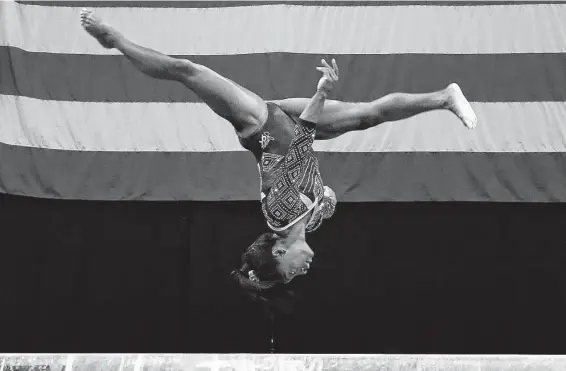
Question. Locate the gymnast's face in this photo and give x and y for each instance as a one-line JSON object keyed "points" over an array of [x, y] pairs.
{"points": [[294, 260]]}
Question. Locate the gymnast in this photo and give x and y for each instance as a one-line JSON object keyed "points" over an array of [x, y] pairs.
{"points": [[280, 135]]}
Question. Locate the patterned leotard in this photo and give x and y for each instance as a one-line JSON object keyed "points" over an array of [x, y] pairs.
{"points": [[291, 184]]}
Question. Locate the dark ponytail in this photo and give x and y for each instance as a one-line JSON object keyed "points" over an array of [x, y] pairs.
{"points": [[259, 278]]}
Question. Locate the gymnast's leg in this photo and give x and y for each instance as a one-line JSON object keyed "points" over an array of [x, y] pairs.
{"points": [[244, 109], [341, 117]]}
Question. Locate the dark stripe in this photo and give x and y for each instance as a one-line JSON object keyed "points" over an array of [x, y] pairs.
{"points": [[101, 78], [229, 4], [230, 176]]}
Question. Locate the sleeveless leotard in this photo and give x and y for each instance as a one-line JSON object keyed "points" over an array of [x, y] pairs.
{"points": [[291, 184]]}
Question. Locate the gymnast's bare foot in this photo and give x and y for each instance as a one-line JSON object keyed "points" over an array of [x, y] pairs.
{"points": [[105, 34], [458, 104]]}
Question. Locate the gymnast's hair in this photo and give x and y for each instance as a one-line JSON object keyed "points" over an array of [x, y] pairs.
{"points": [[258, 275]]}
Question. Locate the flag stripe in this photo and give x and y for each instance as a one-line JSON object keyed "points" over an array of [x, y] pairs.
{"points": [[193, 127], [228, 4], [217, 176], [80, 122], [283, 28], [484, 78]]}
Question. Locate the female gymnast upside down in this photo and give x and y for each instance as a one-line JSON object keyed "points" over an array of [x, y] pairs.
{"points": [[280, 134]]}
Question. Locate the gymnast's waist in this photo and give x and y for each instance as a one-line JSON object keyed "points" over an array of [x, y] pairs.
{"points": [[288, 209], [280, 223]]}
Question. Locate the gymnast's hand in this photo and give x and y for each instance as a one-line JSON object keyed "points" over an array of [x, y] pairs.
{"points": [[329, 76]]}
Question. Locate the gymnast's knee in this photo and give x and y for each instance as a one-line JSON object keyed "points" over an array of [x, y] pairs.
{"points": [[373, 115], [184, 69], [378, 111]]}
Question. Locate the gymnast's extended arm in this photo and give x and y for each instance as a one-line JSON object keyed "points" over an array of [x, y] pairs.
{"points": [[313, 110]]}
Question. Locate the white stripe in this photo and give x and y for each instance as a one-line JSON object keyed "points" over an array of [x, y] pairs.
{"points": [[297, 29], [186, 127]]}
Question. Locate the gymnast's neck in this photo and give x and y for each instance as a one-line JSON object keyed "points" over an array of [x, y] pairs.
{"points": [[294, 234]]}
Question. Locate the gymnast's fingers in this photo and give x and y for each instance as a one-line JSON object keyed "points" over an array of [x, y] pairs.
{"points": [[335, 65], [330, 70], [325, 64]]}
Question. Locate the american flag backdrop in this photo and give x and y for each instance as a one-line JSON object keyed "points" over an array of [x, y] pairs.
{"points": [[78, 121]]}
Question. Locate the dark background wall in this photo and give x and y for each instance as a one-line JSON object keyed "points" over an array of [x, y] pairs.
{"points": [[387, 278]]}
